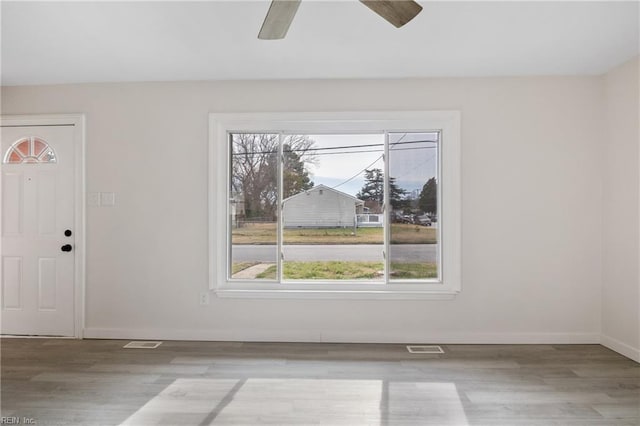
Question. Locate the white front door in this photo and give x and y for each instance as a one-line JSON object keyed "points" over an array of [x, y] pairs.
{"points": [[38, 235]]}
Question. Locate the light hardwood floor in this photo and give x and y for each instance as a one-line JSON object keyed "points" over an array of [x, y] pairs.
{"points": [[97, 382]]}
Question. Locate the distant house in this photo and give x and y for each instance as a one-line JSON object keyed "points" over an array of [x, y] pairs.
{"points": [[372, 206], [236, 203], [321, 207]]}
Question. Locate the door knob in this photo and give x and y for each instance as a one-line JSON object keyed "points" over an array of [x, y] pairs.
{"points": [[68, 233], [66, 247]]}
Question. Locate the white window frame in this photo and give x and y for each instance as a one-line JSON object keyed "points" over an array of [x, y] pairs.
{"points": [[446, 122]]}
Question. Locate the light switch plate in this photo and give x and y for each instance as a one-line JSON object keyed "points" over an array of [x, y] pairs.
{"points": [[107, 199], [93, 199]]}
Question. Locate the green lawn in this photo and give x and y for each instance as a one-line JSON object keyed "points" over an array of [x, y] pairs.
{"points": [[414, 270], [265, 233], [403, 233], [338, 270]]}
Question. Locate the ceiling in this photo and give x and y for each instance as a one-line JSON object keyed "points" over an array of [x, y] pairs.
{"points": [[73, 42]]}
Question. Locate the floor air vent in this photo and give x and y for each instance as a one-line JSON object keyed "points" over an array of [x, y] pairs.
{"points": [[420, 349], [142, 345]]}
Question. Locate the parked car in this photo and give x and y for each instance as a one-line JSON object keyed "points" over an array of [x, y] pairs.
{"points": [[408, 218], [423, 220], [398, 217]]}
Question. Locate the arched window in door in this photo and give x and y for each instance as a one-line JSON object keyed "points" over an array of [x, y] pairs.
{"points": [[30, 150]]}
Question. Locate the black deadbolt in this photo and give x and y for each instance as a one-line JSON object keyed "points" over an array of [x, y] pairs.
{"points": [[66, 247], [68, 233]]}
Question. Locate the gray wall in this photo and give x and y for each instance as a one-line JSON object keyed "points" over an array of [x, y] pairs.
{"points": [[621, 231], [532, 166]]}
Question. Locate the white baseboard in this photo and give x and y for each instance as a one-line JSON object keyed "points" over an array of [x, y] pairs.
{"points": [[201, 335], [620, 347], [462, 338], [338, 336]]}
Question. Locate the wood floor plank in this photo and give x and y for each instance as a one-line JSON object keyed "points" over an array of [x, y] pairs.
{"points": [[580, 397], [98, 382], [618, 411], [149, 369]]}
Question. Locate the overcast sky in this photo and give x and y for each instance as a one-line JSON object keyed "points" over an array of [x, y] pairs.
{"points": [[341, 157]]}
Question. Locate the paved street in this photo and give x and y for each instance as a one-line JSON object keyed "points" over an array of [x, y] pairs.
{"points": [[351, 252]]}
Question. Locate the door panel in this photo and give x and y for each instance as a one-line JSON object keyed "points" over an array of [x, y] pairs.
{"points": [[46, 204], [12, 203], [11, 282], [47, 283], [38, 288]]}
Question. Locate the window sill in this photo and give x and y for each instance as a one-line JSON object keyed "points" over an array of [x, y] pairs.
{"points": [[336, 294]]}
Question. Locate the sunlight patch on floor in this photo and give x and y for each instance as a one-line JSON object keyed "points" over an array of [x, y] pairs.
{"points": [[301, 401]]}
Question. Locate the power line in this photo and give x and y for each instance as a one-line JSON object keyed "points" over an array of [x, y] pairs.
{"points": [[375, 150], [392, 146], [398, 141], [357, 174], [334, 148], [416, 167], [376, 160]]}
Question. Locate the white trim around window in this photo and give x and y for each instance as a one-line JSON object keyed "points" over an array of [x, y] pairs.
{"points": [[445, 122]]}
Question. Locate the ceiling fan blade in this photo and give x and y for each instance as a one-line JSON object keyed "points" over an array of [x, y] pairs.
{"points": [[397, 12], [278, 19]]}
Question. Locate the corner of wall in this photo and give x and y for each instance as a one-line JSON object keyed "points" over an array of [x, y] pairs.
{"points": [[620, 347], [620, 300]]}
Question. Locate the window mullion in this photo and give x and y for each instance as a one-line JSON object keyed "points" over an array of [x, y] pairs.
{"points": [[228, 192], [280, 222], [386, 210], [439, 198]]}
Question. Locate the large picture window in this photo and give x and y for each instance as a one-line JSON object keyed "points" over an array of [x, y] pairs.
{"points": [[334, 204]]}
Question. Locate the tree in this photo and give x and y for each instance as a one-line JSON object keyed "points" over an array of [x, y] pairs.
{"points": [[428, 201], [295, 177], [254, 176], [373, 189]]}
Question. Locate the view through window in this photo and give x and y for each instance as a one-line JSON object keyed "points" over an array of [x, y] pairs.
{"points": [[334, 207]]}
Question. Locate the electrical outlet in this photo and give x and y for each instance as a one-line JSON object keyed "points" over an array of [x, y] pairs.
{"points": [[204, 298]]}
